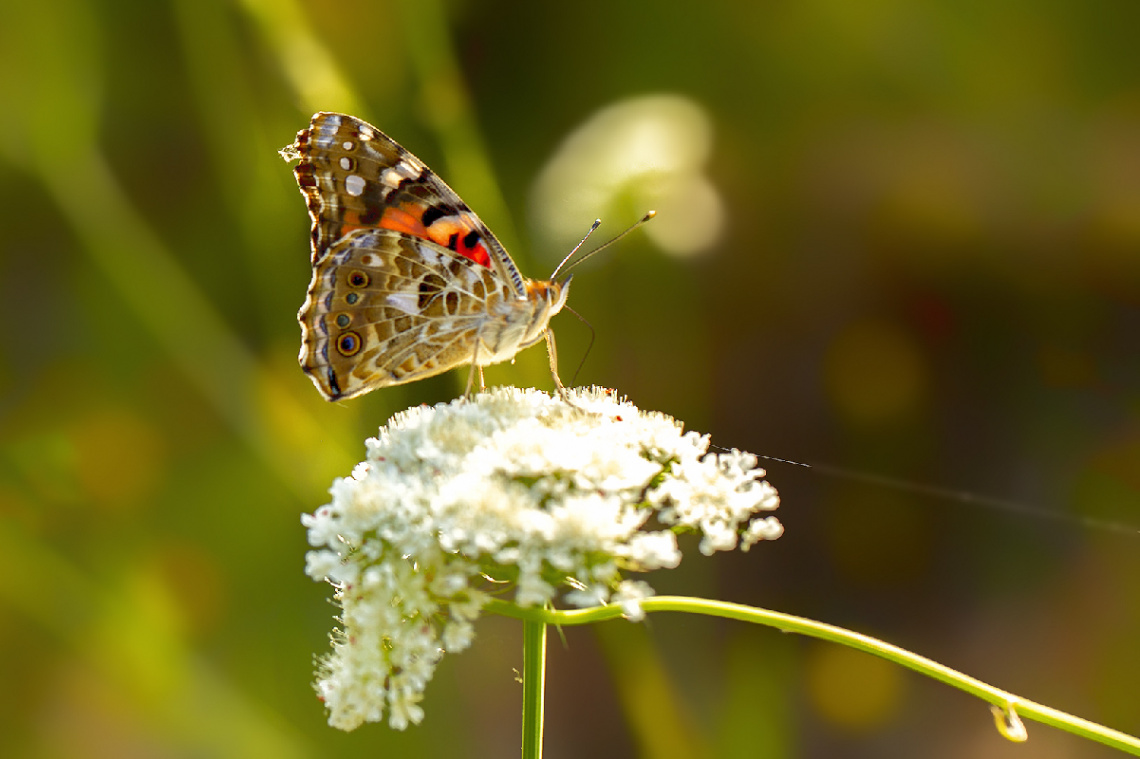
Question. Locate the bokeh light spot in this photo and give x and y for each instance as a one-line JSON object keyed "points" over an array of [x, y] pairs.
{"points": [[120, 457], [875, 373], [851, 689]]}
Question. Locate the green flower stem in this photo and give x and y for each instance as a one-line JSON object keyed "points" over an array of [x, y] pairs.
{"points": [[534, 680], [1007, 707]]}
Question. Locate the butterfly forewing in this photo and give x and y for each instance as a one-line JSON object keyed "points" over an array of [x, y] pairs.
{"points": [[357, 177]]}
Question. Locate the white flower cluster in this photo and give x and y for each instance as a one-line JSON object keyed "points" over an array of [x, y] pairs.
{"points": [[516, 488]]}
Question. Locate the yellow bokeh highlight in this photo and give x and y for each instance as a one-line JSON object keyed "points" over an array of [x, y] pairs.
{"points": [[120, 458], [194, 581], [875, 373], [851, 689]]}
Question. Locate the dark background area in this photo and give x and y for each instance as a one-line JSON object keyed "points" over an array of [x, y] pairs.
{"points": [[922, 264]]}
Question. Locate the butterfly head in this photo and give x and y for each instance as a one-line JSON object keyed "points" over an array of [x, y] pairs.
{"points": [[550, 296]]}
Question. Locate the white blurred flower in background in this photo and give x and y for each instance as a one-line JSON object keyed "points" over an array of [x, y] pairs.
{"points": [[640, 154]]}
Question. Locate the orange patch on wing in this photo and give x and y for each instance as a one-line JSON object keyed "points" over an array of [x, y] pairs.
{"points": [[477, 252], [407, 221], [350, 222], [443, 230]]}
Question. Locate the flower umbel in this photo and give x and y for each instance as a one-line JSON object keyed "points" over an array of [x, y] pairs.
{"points": [[509, 491]]}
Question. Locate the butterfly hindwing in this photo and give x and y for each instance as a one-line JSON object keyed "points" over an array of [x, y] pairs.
{"points": [[385, 308]]}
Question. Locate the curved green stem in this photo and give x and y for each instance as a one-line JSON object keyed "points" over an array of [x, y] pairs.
{"points": [[1008, 706]]}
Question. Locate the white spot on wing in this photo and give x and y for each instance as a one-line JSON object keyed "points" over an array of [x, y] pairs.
{"points": [[347, 144], [406, 302], [354, 184], [345, 164], [391, 178], [407, 169], [429, 256]]}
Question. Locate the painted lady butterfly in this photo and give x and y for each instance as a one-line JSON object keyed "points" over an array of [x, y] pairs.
{"points": [[407, 281]]}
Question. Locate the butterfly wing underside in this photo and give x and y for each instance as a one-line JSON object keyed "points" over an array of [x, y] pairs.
{"points": [[404, 273], [385, 308]]}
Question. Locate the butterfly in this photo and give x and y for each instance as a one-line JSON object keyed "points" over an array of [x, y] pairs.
{"points": [[407, 281]]}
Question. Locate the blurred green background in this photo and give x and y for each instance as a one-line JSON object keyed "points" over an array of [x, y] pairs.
{"points": [[910, 247]]}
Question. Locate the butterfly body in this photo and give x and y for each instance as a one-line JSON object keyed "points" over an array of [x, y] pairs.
{"points": [[407, 281]]}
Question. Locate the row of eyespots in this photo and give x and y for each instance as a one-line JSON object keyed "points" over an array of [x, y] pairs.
{"points": [[349, 343]]}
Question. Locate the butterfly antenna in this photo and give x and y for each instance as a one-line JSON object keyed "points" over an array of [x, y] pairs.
{"points": [[601, 247], [597, 223]]}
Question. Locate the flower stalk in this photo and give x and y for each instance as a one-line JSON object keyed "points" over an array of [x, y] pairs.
{"points": [[534, 687], [1009, 709]]}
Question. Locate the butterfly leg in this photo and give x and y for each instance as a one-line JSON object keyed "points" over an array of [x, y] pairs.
{"points": [[475, 369], [471, 381], [552, 353]]}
